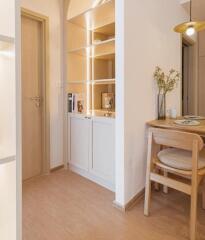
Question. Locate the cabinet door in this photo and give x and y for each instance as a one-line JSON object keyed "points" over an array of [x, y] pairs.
{"points": [[103, 150], [80, 133]]}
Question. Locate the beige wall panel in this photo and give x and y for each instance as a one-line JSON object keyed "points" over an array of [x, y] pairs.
{"points": [[77, 36], [77, 68]]}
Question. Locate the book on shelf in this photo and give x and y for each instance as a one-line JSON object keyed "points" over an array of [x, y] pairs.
{"points": [[75, 102]]}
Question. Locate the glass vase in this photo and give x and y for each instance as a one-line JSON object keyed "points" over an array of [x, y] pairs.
{"points": [[161, 106]]}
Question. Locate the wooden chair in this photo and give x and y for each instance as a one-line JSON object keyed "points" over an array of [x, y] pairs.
{"points": [[183, 155]]}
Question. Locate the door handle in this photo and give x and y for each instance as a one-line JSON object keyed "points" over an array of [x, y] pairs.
{"points": [[37, 100], [87, 117]]}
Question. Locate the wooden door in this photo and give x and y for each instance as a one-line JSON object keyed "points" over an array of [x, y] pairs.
{"points": [[32, 114]]}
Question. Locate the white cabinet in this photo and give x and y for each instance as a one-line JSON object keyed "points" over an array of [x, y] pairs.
{"points": [[80, 142], [91, 148], [103, 149]]}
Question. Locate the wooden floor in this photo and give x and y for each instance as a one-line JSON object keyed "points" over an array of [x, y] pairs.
{"points": [[65, 206]]}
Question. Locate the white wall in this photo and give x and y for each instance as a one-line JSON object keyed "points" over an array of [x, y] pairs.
{"points": [[120, 108], [7, 144], [7, 101], [8, 201], [7, 10], [149, 41], [7, 122], [52, 9]]}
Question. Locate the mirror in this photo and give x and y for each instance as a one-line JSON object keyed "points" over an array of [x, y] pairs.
{"points": [[193, 68], [193, 75]]}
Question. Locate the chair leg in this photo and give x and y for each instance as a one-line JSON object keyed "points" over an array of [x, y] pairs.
{"points": [[165, 188], [148, 181], [193, 220], [147, 196]]}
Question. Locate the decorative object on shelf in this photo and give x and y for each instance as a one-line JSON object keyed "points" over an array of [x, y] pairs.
{"points": [[165, 83], [75, 102], [191, 27], [70, 102], [80, 106], [108, 102]]}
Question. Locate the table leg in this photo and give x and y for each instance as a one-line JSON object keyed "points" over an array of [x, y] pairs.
{"points": [[203, 194]]}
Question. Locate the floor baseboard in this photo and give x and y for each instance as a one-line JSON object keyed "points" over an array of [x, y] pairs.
{"points": [[57, 168], [131, 203]]}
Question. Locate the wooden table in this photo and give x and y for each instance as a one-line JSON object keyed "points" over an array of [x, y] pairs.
{"points": [[169, 124]]}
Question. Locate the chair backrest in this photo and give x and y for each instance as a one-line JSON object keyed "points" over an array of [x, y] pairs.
{"points": [[176, 139]]}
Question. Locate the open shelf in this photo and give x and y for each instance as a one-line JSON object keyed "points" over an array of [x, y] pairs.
{"points": [[104, 42], [105, 56], [103, 69], [96, 17], [91, 57], [104, 81], [104, 33], [97, 49], [104, 48], [99, 93]]}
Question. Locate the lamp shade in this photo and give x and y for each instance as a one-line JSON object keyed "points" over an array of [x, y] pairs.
{"points": [[183, 27]]}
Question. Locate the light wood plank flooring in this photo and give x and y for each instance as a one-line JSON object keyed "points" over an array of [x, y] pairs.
{"points": [[65, 206]]}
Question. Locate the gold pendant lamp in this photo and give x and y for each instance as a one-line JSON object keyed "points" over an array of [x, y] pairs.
{"points": [[189, 28]]}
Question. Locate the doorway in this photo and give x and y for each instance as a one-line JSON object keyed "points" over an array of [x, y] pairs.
{"points": [[189, 77], [35, 102]]}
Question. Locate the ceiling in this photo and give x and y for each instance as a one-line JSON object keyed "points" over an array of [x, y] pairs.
{"points": [[198, 10]]}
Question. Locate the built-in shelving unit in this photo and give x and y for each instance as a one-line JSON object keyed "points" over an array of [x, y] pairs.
{"points": [[96, 17], [91, 58], [91, 84]]}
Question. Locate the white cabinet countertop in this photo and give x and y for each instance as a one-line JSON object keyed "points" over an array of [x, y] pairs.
{"points": [[93, 117]]}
